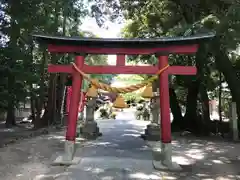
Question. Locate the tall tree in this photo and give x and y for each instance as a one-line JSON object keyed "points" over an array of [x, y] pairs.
{"points": [[173, 18]]}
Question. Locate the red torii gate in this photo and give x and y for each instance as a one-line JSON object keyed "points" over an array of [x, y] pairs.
{"points": [[161, 47], [68, 100]]}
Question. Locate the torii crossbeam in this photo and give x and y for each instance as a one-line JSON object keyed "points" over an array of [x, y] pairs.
{"points": [[161, 47]]}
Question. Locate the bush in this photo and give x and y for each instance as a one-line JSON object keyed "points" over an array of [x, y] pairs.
{"points": [[140, 108], [141, 101], [103, 112], [132, 97], [113, 116]]}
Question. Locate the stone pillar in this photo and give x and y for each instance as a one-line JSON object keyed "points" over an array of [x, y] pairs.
{"points": [[81, 114], [152, 132], [155, 111], [162, 157], [79, 123], [90, 129]]}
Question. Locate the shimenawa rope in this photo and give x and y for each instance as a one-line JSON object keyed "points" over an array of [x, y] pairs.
{"points": [[128, 89]]}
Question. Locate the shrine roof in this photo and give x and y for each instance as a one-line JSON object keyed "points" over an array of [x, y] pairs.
{"points": [[123, 42]]}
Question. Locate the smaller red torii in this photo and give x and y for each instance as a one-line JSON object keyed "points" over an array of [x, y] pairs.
{"points": [[162, 47]]}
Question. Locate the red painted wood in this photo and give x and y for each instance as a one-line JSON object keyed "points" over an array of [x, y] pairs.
{"points": [[164, 102], [120, 69], [177, 70], [120, 60], [82, 100], [60, 68], [181, 49], [182, 70], [75, 99], [104, 69]]}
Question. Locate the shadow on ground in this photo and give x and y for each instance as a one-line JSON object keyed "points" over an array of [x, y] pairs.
{"points": [[120, 154], [31, 158], [204, 159], [200, 159]]}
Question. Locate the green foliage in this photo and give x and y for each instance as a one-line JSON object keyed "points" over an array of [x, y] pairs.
{"points": [[130, 79], [135, 97], [23, 63], [170, 18], [154, 19]]}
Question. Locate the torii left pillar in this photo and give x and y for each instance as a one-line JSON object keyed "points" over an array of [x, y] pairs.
{"points": [[68, 157]]}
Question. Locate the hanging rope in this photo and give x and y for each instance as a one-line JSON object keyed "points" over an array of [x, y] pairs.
{"points": [[128, 89]]}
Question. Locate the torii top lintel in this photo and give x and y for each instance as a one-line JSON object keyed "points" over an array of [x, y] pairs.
{"points": [[175, 45]]}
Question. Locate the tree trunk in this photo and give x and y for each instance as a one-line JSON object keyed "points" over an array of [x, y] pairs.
{"points": [[60, 96], [37, 123], [206, 121], [48, 117], [220, 102], [40, 104], [176, 110], [50, 110], [190, 119], [225, 66], [10, 120], [32, 102], [62, 77], [13, 47]]}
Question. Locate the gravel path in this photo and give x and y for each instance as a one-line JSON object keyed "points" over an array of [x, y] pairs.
{"points": [[119, 154]]}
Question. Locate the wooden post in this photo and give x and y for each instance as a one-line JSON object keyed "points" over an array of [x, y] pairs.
{"points": [[75, 99], [120, 60], [69, 147], [164, 102]]}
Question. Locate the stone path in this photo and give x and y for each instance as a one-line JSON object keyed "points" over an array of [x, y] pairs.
{"points": [[120, 155]]}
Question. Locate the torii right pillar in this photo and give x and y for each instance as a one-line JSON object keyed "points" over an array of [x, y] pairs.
{"points": [[163, 159]]}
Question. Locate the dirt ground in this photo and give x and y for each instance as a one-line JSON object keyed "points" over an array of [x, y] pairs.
{"points": [[207, 159], [30, 159]]}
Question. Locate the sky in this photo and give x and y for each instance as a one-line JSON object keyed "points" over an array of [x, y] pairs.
{"points": [[89, 24]]}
